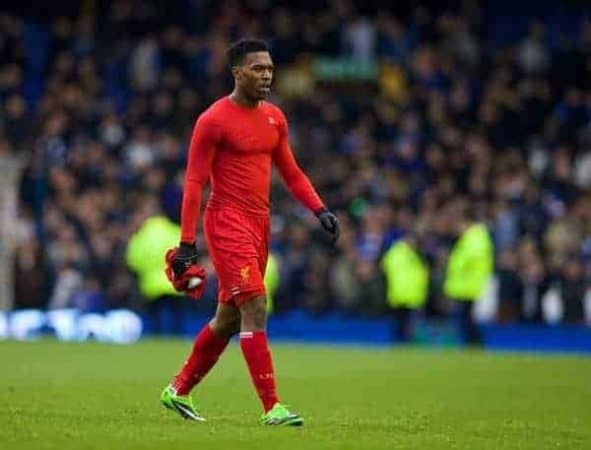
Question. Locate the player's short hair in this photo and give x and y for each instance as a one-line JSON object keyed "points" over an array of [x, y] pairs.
{"points": [[238, 50]]}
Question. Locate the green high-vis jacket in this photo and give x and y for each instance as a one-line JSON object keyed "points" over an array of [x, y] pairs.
{"points": [[145, 255], [470, 264], [407, 276]]}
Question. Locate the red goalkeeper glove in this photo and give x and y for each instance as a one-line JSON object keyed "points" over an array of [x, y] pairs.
{"points": [[183, 272]]}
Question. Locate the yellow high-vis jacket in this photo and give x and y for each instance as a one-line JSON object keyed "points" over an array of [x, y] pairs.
{"points": [[407, 276], [271, 281], [470, 264], [145, 255]]}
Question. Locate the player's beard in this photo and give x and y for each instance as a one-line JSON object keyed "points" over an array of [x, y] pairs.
{"points": [[262, 93], [262, 89]]}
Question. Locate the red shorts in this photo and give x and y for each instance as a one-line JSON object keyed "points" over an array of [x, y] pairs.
{"points": [[238, 245]]}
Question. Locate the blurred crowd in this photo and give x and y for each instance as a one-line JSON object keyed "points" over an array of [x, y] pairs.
{"points": [[103, 104]]}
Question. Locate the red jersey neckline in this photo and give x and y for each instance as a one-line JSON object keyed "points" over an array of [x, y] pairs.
{"points": [[239, 106]]}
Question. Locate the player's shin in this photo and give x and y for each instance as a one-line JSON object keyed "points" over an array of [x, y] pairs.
{"points": [[207, 349], [256, 352]]}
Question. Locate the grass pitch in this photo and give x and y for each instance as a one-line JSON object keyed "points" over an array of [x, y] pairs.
{"points": [[97, 396]]}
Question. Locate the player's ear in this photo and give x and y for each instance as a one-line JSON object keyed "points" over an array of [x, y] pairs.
{"points": [[236, 72]]}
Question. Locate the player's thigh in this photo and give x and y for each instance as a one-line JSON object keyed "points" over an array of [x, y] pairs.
{"points": [[233, 248], [263, 232], [239, 279]]}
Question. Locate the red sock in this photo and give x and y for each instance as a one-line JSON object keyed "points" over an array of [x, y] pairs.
{"points": [[258, 358], [207, 348]]}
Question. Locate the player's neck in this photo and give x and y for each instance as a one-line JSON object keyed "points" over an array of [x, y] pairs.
{"points": [[240, 99]]}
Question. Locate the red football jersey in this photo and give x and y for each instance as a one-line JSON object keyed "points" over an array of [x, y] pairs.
{"points": [[234, 146]]}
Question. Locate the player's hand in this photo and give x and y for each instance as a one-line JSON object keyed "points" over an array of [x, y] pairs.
{"points": [[184, 258], [194, 281], [330, 223], [183, 272]]}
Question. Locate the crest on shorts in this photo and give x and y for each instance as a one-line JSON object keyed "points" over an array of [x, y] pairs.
{"points": [[245, 273]]}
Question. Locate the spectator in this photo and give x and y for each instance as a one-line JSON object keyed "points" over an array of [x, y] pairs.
{"points": [[533, 55], [510, 287], [144, 65], [69, 283], [572, 286], [535, 283], [371, 289]]}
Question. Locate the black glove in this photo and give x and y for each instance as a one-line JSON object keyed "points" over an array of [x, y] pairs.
{"points": [[185, 258], [330, 223]]}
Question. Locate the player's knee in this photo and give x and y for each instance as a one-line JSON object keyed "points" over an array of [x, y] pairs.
{"points": [[254, 314], [226, 326], [234, 326], [254, 321]]}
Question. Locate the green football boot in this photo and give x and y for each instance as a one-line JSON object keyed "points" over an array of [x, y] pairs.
{"points": [[280, 415], [182, 404]]}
